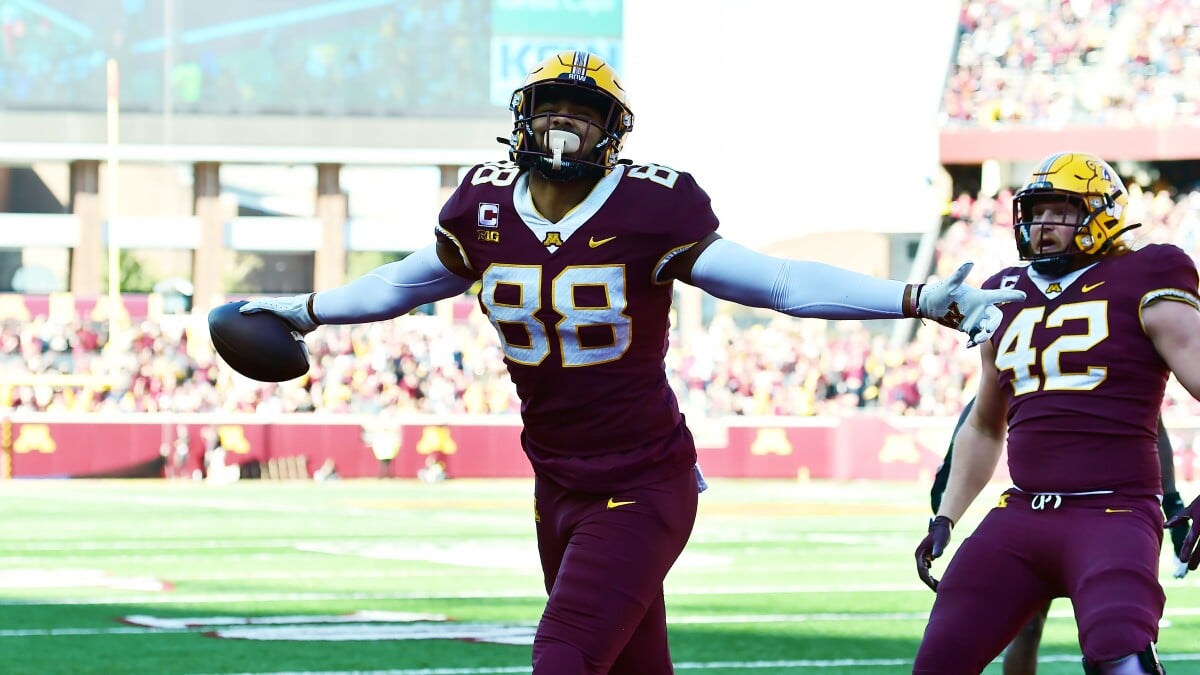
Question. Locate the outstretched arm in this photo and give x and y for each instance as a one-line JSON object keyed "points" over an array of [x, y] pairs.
{"points": [[733, 272], [387, 291]]}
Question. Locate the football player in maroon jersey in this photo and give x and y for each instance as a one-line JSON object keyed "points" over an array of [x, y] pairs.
{"points": [[1020, 657], [1074, 376], [575, 254]]}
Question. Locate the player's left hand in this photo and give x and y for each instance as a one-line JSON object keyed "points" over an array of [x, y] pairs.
{"points": [[932, 547], [1189, 550], [965, 308]]}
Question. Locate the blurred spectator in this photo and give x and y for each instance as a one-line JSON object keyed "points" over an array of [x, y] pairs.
{"points": [[1052, 63], [327, 471], [741, 365]]}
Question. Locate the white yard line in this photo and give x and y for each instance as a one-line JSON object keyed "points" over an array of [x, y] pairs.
{"points": [[720, 619], [210, 598], [774, 666]]}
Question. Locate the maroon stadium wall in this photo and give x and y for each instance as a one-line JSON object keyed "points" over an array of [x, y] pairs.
{"points": [[48, 445], [862, 447]]}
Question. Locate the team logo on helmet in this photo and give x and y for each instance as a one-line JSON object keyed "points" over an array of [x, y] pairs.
{"points": [[583, 76], [1087, 184]]}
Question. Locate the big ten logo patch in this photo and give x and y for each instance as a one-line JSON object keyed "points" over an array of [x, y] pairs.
{"points": [[492, 236]]}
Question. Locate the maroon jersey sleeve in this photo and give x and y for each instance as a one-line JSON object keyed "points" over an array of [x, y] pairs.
{"points": [[1083, 380], [1173, 276], [474, 209], [582, 317], [675, 209]]}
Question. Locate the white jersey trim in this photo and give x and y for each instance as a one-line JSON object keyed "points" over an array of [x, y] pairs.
{"points": [[575, 218]]}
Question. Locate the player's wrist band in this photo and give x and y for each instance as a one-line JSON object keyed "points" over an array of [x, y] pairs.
{"points": [[910, 304], [946, 519], [312, 314]]}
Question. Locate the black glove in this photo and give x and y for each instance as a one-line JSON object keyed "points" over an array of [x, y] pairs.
{"points": [[1172, 505], [1189, 548], [932, 547]]}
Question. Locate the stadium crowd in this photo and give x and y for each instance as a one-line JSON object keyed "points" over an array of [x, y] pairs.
{"points": [[1033, 62], [1042, 63], [741, 364]]}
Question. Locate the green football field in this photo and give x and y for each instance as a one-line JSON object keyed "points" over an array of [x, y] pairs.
{"points": [[399, 577]]}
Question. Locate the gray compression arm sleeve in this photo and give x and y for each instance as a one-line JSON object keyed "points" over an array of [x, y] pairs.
{"points": [[390, 290], [733, 272]]}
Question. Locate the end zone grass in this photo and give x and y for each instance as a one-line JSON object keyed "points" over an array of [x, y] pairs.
{"points": [[136, 577]]}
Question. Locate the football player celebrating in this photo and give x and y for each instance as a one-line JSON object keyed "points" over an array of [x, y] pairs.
{"points": [[575, 253], [1075, 376], [1020, 657]]}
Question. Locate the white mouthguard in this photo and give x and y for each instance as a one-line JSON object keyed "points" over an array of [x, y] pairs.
{"points": [[561, 141]]}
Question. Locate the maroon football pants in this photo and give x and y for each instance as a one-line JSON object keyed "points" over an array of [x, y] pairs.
{"points": [[604, 558], [1102, 551]]}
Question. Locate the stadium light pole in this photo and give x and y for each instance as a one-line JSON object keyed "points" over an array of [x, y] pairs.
{"points": [[112, 114]]}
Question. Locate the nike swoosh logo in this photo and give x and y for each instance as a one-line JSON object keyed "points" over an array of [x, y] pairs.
{"points": [[594, 242], [1089, 287], [1116, 510], [612, 504]]}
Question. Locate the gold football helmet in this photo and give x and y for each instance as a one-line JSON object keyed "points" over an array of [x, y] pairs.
{"points": [[581, 76], [1086, 182]]}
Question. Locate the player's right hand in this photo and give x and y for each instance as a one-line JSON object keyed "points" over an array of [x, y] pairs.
{"points": [[932, 547], [291, 308], [1189, 550]]}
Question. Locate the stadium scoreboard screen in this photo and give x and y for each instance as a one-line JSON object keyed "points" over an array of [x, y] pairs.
{"points": [[320, 58]]}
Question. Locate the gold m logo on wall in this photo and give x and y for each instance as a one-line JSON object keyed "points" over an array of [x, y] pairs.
{"points": [[436, 439], [771, 441], [232, 438], [35, 438]]}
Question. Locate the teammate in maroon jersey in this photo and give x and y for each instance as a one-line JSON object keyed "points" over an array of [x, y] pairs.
{"points": [[575, 253], [1075, 377], [1021, 655]]}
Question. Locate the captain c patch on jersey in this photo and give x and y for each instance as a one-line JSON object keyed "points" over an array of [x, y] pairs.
{"points": [[489, 215]]}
